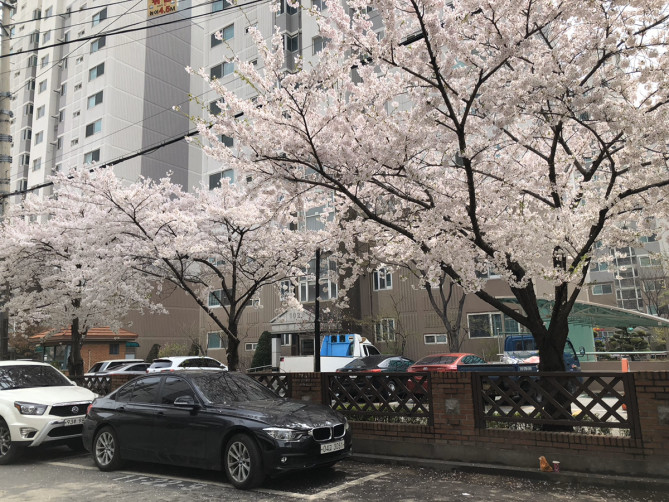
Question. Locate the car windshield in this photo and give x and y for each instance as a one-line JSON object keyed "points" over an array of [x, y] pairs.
{"points": [[438, 360], [27, 376], [230, 387]]}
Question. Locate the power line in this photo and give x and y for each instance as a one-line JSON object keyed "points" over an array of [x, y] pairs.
{"points": [[124, 30]]}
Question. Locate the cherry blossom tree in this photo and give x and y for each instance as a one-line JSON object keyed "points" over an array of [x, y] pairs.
{"points": [[62, 271], [221, 246], [463, 136]]}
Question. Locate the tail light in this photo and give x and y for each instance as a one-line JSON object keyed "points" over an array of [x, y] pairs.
{"points": [[88, 410]]}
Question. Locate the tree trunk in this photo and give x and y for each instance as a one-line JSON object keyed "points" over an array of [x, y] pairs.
{"points": [[75, 363]]}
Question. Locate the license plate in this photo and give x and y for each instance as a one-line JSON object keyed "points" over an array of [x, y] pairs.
{"points": [[330, 447], [74, 421]]}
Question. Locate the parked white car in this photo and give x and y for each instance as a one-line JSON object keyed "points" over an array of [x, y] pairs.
{"points": [[38, 405], [185, 362], [109, 365]]}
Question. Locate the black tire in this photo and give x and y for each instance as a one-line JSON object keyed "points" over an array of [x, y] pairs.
{"points": [[106, 450], [242, 462], [8, 452]]}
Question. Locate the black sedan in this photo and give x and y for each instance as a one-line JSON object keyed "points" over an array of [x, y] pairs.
{"points": [[213, 420], [374, 384]]}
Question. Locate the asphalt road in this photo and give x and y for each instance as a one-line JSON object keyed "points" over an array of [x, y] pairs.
{"points": [[57, 474]]}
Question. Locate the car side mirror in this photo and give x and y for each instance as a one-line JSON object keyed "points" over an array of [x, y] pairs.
{"points": [[185, 402]]}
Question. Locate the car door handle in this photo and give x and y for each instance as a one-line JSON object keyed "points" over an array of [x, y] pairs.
{"points": [[120, 408]]}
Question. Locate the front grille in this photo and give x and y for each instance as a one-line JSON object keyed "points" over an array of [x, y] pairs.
{"points": [[68, 410], [327, 433], [322, 433], [68, 430]]}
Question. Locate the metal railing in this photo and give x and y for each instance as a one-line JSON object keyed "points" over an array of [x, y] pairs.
{"points": [[589, 403]]}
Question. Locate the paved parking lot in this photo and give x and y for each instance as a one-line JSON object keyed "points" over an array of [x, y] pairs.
{"points": [[59, 475]]}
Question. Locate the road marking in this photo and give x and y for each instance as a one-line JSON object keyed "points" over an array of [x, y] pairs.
{"points": [[163, 481], [324, 493]]}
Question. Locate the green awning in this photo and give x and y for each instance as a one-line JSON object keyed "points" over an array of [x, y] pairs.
{"points": [[131, 344], [595, 314]]}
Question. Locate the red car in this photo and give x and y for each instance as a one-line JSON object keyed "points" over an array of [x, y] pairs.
{"points": [[441, 363]]}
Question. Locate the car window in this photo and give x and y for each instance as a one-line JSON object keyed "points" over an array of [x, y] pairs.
{"points": [[371, 350], [437, 360], [211, 363], [173, 388], [24, 376], [137, 367], [219, 387], [95, 367], [146, 390], [124, 393], [161, 363], [116, 364]]}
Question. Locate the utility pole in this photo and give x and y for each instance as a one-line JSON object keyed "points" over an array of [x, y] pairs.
{"points": [[317, 315], [5, 147]]}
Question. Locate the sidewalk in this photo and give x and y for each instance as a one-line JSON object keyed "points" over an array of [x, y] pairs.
{"points": [[569, 477]]}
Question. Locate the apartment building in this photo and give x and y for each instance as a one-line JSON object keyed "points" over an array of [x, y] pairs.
{"points": [[84, 95]]}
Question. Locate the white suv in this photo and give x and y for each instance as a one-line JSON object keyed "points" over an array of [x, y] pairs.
{"points": [[38, 404], [185, 363], [110, 364]]}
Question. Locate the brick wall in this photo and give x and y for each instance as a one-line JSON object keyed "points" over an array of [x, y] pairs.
{"points": [[454, 435]]}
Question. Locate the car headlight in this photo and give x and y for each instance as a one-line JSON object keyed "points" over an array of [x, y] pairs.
{"points": [[347, 426], [30, 408], [285, 434]]}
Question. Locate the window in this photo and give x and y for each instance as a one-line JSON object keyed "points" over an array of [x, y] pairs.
{"points": [[318, 44], [48, 12], [285, 8], [647, 261], [37, 164], [214, 109], [286, 339], [76, 113], [319, 4], [39, 137], [602, 289], [114, 348], [24, 159], [249, 347], [32, 60], [47, 37], [91, 157], [217, 340], [80, 59], [77, 87], [384, 331], [285, 289], [97, 44], [94, 100], [30, 85], [41, 111], [174, 388], [42, 86], [34, 37], [94, 128], [146, 390], [227, 140], [59, 143], [96, 71], [327, 289], [307, 346], [74, 142], [221, 70], [63, 89], [435, 339], [28, 109], [648, 238], [218, 6], [383, 279], [27, 134], [99, 17], [218, 298], [215, 179], [44, 61], [292, 43], [227, 33], [488, 325], [37, 14]]}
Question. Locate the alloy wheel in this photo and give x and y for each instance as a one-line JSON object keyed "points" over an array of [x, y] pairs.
{"points": [[5, 439], [105, 448], [239, 461]]}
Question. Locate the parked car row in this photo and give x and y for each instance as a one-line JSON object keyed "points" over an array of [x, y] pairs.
{"points": [[139, 367], [197, 418]]}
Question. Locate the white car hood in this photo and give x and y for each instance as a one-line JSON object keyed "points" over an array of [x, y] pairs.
{"points": [[49, 395]]}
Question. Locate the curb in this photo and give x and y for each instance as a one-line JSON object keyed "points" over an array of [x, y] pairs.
{"points": [[569, 477]]}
